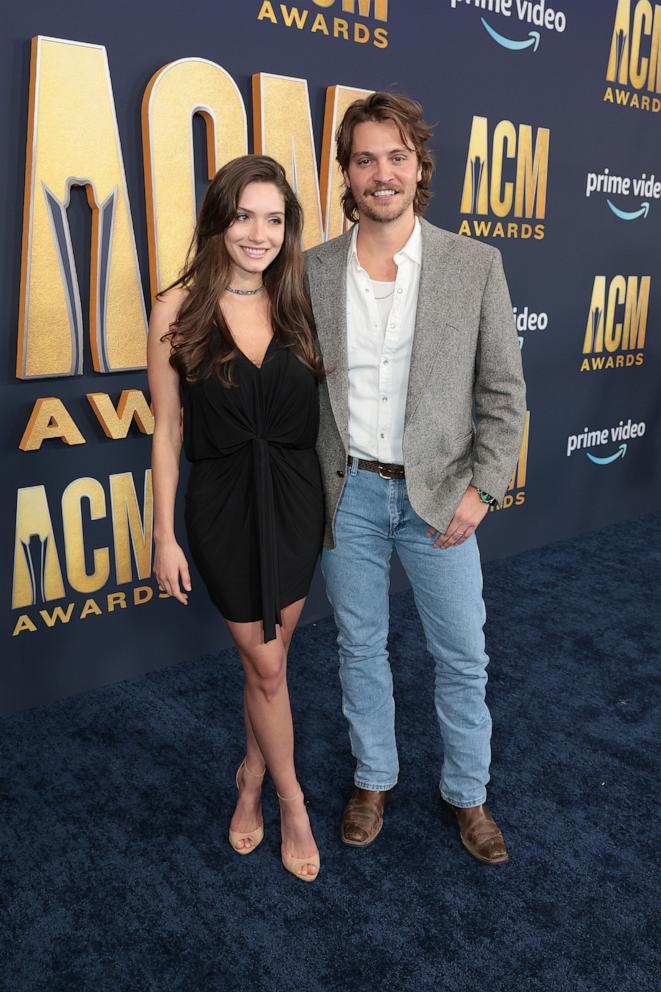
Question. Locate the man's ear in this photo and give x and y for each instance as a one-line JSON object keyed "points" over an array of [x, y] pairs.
{"points": [[345, 177]]}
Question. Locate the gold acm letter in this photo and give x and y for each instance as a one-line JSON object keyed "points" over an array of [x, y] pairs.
{"points": [[73, 141], [174, 95], [283, 129], [132, 530], [37, 572], [338, 101]]}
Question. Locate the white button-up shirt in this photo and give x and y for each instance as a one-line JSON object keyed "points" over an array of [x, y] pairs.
{"points": [[379, 352]]}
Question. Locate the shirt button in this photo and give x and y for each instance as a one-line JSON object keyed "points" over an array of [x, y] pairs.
{"points": [[392, 327], [385, 361], [383, 435], [400, 290], [384, 399]]}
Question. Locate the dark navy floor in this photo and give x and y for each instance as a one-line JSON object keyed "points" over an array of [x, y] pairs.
{"points": [[116, 873]]}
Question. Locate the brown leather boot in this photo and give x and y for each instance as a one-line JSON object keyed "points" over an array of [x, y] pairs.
{"points": [[480, 834], [363, 817]]}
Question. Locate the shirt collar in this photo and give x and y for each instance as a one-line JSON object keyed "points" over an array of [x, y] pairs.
{"points": [[412, 249]]}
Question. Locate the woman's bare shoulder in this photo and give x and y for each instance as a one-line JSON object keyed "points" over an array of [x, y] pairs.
{"points": [[169, 303]]}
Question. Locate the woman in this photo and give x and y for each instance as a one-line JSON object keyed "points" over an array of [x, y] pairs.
{"points": [[235, 334]]}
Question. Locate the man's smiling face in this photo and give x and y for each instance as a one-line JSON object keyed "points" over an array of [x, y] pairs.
{"points": [[383, 172]]}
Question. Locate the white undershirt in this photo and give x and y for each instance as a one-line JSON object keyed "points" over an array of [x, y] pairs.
{"points": [[383, 294], [379, 341]]}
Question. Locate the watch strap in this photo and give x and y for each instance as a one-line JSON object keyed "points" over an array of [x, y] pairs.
{"points": [[485, 496]]}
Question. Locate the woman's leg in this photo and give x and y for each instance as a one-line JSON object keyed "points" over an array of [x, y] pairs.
{"points": [[248, 810], [269, 732], [255, 758]]}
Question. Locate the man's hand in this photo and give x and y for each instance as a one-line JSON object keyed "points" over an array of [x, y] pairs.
{"points": [[467, 517]]}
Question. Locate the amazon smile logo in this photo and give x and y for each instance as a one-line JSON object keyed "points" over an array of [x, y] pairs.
{"points": [[612, 187], [537, 13], [621, 436]]}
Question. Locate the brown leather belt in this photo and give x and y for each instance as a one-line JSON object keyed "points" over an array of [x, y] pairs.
{"points": [[386, 471]]}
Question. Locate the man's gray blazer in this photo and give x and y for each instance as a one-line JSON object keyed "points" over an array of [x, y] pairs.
{"points": [[465, 405]]}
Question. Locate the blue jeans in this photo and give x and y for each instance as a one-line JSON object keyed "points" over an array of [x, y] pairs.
{"points": [[375, 516]]}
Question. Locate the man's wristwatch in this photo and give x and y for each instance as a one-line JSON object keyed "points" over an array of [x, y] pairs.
{"points": [[486, 497]]}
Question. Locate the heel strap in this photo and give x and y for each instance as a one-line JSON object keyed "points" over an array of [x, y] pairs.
{"points": [[288, 799], [254, 774], [246, 769]]}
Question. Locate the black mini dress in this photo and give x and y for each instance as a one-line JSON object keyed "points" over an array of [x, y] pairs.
{"points": [[254, 499]]}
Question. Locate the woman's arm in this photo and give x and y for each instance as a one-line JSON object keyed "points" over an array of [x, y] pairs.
{"points": [[169, 560]]}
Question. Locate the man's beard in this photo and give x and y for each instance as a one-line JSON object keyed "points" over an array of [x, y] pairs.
{"points": [[366, 209]]}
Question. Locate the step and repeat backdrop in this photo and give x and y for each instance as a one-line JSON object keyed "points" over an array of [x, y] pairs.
{"points": [[547, 125]]}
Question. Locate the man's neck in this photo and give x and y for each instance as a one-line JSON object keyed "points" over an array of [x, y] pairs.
{"points": [[384, 240], [377, 244]]}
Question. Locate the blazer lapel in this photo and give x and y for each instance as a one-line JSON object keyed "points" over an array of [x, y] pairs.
{"points": [[328, 289], [431, 313]]}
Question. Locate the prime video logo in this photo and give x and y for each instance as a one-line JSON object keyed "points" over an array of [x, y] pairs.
{"points": [[608, 435], [526, 320], [535, 12], [609, 183]]}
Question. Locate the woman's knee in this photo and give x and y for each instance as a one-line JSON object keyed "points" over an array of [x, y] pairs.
{"points": [[265, 675]]}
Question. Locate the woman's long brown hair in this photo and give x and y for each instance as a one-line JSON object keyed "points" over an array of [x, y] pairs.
{"points": [[200, 338]]}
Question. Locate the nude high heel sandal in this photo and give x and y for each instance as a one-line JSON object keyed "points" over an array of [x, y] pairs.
{"points": [[256, 836], [294, 864]]}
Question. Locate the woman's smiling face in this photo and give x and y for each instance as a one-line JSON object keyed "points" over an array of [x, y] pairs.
{"points": [[256, 234]]}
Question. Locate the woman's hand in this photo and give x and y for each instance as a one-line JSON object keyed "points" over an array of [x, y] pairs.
{"points": [[170, 566]]}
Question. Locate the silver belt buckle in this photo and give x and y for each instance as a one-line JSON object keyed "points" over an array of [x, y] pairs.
{"points": [[381, 475]]}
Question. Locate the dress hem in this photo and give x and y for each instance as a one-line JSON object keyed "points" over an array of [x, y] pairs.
{"points": [[287, 601]]}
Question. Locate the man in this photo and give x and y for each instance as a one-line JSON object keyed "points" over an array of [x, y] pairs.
{"points": [[421, 421]]}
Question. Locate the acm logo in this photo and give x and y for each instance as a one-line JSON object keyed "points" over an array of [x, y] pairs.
{"points": [[634, 62], [302, 17], [505, 180], [617, 323], [38, 576]]}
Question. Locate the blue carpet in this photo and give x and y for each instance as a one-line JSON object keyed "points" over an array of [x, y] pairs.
{"points": [[116, 873]]}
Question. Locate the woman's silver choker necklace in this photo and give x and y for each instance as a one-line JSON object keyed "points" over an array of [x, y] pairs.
{"points": [[245, 292]]}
